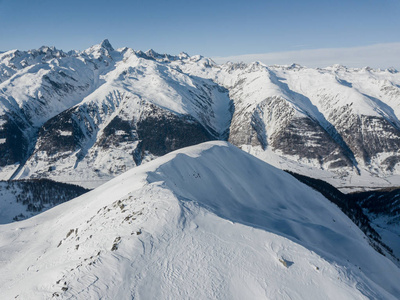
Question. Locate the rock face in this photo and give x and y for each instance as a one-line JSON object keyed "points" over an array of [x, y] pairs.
{"points": [[345, 121], [319, 145], [161, 132], [88, 116]]}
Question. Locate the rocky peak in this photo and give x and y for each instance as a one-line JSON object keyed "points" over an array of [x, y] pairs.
{"points": [[107, 45]]}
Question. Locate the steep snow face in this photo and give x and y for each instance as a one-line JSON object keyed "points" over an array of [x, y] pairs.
{"points": [[209, 221]]}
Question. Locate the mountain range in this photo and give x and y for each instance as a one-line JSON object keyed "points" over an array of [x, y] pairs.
{"points": [[185, 159], [85, 117]]}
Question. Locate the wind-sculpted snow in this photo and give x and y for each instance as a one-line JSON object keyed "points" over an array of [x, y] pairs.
{"points": [[209, 221]]}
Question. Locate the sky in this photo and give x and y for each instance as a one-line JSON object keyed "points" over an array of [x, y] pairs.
{"points": [[283, 30]]}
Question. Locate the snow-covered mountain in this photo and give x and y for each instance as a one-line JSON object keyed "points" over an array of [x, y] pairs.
{"points": [[208, 221], [85, 117], [96, 114], [335, 123]]}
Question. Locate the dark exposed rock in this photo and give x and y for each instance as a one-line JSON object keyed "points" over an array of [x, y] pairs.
{"points": [[38, 195], [307, 139], [292, 135], [242, 132], [249, 127], [118, 131], [367, 136], [61, 133], [391, 162], [161, 131], [157, 132], [137, 154], [16, 145]]}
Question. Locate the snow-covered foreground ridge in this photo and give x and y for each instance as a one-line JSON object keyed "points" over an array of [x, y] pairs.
{"points": [[204, 222], [85, 117]]}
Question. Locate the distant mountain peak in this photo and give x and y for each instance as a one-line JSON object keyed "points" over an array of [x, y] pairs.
{"points": [[183, 55], [107, 45], [392, 70], [152, 53], [295, 66]]}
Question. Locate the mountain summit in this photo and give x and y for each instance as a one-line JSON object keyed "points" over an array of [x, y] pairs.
{"points": [[106, 45]]}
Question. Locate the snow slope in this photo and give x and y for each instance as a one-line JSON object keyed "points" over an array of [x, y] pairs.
{"points": [[209, 221]]}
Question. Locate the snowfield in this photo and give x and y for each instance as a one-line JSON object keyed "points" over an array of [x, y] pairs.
{"points": [[204, 222]]}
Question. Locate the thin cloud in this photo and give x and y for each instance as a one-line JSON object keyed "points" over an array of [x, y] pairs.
{"points": [[375, 56]]}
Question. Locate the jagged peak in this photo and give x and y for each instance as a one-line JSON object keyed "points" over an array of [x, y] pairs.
{"points": [[104, 48], [196, 58], [338, 66], [183, 55], [73, 52], [257, 63], [49, 52], [106, 45], [46, 49], [9, 53], [153, 54], [295, 66], [367, 68]]}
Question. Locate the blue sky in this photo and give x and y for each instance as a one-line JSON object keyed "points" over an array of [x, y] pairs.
{"points": [[215, 28]]}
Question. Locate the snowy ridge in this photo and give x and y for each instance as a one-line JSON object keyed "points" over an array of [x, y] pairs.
{"points": [[209, 221]]}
